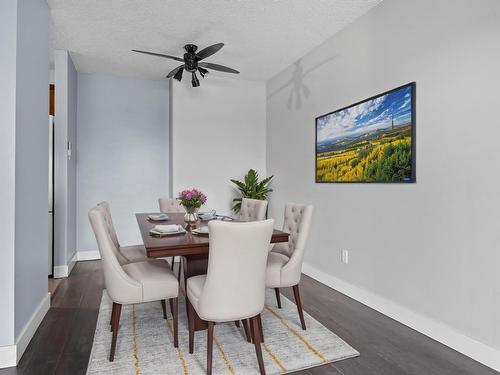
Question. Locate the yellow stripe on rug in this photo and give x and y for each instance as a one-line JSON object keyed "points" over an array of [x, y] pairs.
{"points": [[224, 357], [296, 334], [274, 358], [136, 356], [179, 352]]}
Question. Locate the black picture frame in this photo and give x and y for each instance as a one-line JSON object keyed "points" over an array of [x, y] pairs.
{"points": [[413, 177]]}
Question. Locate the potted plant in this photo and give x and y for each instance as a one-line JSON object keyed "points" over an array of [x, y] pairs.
{"points": [[191, 200], [252, 188]]}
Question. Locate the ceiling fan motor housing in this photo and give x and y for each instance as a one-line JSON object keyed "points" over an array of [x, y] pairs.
{"points": [[191, 62]]}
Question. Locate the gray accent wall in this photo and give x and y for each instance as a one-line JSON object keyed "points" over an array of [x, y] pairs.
{"points": [[122, 151], [32, 159], [8, 35], [65, 167], [430, 247], [24, 67]]}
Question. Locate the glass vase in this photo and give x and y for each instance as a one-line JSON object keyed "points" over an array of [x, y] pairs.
{"points": [[191, 216]]}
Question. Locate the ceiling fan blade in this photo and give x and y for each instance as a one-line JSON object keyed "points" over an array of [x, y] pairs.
{"points": [[202, 71], [173, 72], [209, 51], [159, 55], [220, 68]]}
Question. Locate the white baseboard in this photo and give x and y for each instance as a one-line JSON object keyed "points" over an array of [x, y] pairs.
{"points": [[438, 331], [7, 356], [10, 355], [65, 271], [88, 255], [31, 326], [72, 262], [60, 271]]}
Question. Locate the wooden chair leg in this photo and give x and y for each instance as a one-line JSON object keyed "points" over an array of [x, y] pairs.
{"points": [[184, 274], [237, 323], [278, 297], [210, 343], [247, 330], [254, 326], [164, 308], [117, 308], [296, 294], [179, 269], [175, 318], [112, 317], [259, 320], [191, 326]]}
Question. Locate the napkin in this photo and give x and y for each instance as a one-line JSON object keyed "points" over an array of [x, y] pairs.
{"points": [[201, 230], [158, 217], [170, 228]]}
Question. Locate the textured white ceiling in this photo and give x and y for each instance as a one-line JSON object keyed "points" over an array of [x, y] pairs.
{"points": [[261, 37]]}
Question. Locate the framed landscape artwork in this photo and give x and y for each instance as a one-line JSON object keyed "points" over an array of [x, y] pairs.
{"points": [[370, 141]]}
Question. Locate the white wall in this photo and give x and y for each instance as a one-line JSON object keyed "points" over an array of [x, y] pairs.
{"points": [[122, 151], [65, 168], [432, 248], [218, 133], [8, 35]]}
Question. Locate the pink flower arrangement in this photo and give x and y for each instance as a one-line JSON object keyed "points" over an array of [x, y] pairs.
{"points": [[192, 199]]}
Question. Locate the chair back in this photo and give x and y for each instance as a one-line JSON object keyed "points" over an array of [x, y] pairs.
{"points": [[252, 210], [120, 287], [111, 230], [297, 223], [109, 222], [170, 205], [236, 274]]}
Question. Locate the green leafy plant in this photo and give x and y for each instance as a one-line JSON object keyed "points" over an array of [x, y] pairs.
{"points": [[252, 188]]}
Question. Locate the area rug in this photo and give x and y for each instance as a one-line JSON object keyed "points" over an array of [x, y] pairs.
{"points": [[145, 343]]}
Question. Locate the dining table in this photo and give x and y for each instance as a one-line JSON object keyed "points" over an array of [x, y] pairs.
{"points": [[192, 248]]}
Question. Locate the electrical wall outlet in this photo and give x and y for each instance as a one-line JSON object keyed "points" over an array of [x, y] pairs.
{"points": [[344, 256]]}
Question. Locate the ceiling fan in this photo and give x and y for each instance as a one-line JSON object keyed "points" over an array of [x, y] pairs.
{"points": [[192, 62]]}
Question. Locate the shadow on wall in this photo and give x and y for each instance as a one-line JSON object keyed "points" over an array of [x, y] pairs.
{"points": [[299, 90]]}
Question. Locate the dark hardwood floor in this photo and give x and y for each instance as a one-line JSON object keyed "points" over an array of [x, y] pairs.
{"points": [[63, 341]]}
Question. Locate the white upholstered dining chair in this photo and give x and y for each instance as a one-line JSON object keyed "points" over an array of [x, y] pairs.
{"points": [[150, 280], [127, 254], [234, 287], [252, 210], [284, 264], [168, 205]]}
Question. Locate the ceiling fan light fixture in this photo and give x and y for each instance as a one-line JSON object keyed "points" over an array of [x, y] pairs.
{"points": [[202, 71], [178, 75], [195, 82]]}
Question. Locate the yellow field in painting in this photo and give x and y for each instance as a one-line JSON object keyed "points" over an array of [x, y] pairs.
{"points": [[386, 158]]}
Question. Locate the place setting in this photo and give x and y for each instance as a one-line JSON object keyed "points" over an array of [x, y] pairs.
{"points": [[200, 231], [158, 217], [166, 230]]}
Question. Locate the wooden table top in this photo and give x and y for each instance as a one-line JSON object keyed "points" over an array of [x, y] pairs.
{"points": [[181, 244]]}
